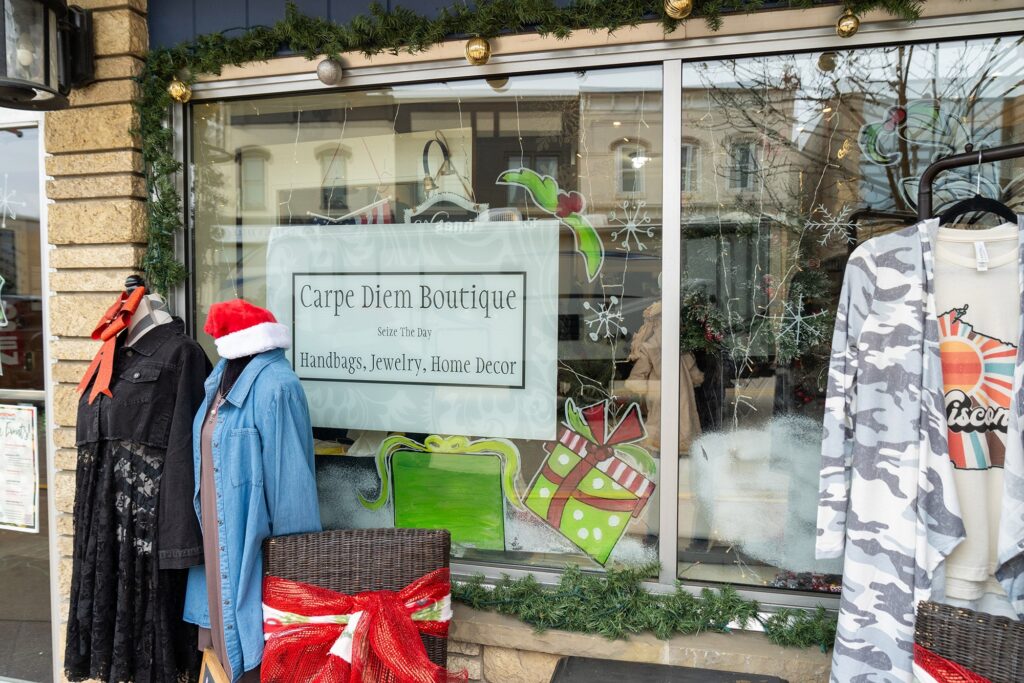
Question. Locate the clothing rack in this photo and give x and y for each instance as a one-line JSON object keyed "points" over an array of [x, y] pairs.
{"points": [[968, 158]]}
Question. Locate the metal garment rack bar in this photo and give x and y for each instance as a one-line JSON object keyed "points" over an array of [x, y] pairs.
{"points": [[968, 158]]}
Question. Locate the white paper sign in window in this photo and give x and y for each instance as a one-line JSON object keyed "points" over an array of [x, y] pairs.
{"points": [[436, 328], [19, 469]]}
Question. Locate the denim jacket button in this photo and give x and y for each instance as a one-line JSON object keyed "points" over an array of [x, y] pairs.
{"points": [[135, 375]]}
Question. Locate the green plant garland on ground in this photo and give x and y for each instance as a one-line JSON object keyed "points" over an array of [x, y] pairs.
{"points": [[615, 605], [380, 31]]}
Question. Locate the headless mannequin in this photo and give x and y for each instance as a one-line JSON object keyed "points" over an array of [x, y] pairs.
{"points": [[152, 311], [214, 636]]}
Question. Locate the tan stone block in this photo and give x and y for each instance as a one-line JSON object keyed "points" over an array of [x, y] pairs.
{"points": [[65, 405], [471, 665], [120, 31], [64, 437], [518, 666], [105, 92], [75, 315], [85, 129], [66, 459], [122, 161], [73, 349], [65, 524], [462, 648], [63, 490], [100, 280], [137, 5], [64, 576], [69, 256], [91, 187], [98, 222], [126, 66], [66, 546]]}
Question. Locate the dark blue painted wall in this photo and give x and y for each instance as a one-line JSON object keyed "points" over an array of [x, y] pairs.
{"points": [[173, 21]]}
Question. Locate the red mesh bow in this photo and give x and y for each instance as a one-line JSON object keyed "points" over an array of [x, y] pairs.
{"points": [[943, 670], [113, 322], [386, 644]]}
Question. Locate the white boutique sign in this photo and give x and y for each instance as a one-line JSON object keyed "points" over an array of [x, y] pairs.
{"points": [[420, 327]]}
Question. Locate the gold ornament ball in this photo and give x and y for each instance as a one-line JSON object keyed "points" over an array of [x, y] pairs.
{"points": [[478, 51], [847, 24], [180, 91], [678, 9]]}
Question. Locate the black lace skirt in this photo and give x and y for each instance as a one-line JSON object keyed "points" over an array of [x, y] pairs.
{"points": [[125, 618]]}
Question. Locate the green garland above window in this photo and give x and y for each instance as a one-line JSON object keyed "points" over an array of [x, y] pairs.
{"points": [[392, 31], [615, 605]]}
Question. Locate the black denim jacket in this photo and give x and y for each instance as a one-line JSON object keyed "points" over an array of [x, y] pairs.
{"points": [[157, 387]]}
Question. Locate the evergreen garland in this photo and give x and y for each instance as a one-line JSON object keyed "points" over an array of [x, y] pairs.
{"points": [[380, 31], [615, 605]]}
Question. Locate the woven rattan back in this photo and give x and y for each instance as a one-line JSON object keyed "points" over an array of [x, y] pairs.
{"points": [[357, 560], [987, 645]]}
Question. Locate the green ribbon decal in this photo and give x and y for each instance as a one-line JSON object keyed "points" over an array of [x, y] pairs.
{"points": [[567, 207], [452, 445]]}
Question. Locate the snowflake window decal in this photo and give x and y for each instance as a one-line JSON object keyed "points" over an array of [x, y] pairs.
{"points": [[607, 319], [7, 204], [832, 227], [631, 220]]}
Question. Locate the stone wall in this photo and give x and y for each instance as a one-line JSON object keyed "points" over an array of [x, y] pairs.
{"points": [[497, 649], [96, 228]]}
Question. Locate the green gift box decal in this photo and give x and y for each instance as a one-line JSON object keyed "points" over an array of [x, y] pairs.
{"points": [[449, 483], [586, 489]]}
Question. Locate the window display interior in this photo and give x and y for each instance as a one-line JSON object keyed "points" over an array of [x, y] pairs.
{"points": [[453, 176], [787, 164], [804, 157]]}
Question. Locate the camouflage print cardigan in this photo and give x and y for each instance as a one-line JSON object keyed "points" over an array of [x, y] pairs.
{"points": [[887, 499]]}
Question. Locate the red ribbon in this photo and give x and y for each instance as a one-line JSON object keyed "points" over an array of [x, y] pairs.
{"points": [[386, 645], [596, 451], [113, 322]]}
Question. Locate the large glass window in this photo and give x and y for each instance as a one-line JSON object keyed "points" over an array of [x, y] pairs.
{"points": [[416, 191], [25, 651], [397, 215], [807, 156]]}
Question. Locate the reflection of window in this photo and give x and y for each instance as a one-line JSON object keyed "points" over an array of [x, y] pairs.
{"points": [[631, 160], [743, 165], [253, 177], [333, 192], [689, 166], [544, 164]]}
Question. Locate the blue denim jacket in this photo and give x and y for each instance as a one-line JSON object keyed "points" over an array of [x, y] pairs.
{"points": [[263, 467]]}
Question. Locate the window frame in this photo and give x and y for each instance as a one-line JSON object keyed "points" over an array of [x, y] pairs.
{"points": [[671, 55], [626, 150], [690, 180], [242, 155], [743, 178]]}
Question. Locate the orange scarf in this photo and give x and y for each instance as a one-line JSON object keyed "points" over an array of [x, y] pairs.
{"points": [[113, 322]]}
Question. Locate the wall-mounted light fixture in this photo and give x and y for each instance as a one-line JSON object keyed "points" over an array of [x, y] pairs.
{"points": [[46, 49]]}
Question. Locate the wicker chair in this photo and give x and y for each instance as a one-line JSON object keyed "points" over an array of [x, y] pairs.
{"points": [[987, 645], [357, 560]]}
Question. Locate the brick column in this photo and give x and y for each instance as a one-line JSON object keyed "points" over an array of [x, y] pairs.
{"points": [[96, 228]]}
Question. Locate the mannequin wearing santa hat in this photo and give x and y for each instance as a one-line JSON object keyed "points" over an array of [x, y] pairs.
{"points": [[253, 452]]}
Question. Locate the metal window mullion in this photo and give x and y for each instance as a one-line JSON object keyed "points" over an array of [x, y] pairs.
{"points": [[671, 135]]}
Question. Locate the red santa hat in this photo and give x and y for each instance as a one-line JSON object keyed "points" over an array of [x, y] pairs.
{"points": [[241, 329]]}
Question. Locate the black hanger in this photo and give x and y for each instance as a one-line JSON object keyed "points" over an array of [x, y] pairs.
{"points": [[976, 204]]}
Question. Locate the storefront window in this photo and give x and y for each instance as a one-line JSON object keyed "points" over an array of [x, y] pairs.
{"points": [[807, 156], [472, 271], [25, 651]]}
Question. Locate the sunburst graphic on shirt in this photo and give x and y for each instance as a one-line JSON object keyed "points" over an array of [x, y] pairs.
{"points": [[977, 374]]}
